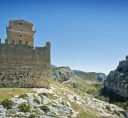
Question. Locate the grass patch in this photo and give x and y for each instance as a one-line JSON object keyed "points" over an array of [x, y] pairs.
{"points": [[82, 113], [6, 93]]}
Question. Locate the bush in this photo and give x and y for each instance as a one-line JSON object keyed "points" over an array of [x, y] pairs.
{"points": [[23, 96], [90, 91], [43, 94], [45, 108], [103, 98], [32, 116], [36, 100], [108, 108], [117, 113], [7, 103], [24, 107]]}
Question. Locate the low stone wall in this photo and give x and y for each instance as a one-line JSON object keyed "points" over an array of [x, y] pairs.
{"points": [[16, 75]]}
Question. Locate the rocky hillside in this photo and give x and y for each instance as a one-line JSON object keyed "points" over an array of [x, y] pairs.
{"points": [[77, 79], [117, 80], [57, 102], [65, 73], [68, 97]]}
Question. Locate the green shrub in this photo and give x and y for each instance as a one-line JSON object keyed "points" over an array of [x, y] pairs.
{"points": [[90, 91], [43, 94], [44, 108], [23, 96], [108, 108], [7, 103], [36, 100], [32, 116], [24, 107], [103, 98], [117, 113]]}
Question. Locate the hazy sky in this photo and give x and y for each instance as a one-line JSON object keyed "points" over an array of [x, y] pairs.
{"points": [[88, 35]]}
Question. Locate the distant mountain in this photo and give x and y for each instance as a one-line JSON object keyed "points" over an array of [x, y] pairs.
{"points": [[99, 77]]}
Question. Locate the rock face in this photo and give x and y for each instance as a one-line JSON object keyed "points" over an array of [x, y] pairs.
{"points": [[117, 80], [63, 74]]}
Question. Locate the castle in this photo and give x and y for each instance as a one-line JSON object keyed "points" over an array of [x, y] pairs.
{"points": [[22, 64]]}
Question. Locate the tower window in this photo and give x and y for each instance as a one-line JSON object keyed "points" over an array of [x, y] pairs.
{"points": [[20, 35]]}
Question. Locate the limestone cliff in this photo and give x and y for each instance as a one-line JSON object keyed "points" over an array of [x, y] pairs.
{"points": [[117, 80]]}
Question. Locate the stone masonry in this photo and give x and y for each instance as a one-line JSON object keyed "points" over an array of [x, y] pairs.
{"points": [[22, 64]]}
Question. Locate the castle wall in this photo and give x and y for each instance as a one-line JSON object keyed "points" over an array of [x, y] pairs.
{"points": [[24, 54], [21, 65]]}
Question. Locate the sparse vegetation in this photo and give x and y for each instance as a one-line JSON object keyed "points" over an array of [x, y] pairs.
{"points": [[7, 103], [7, 93], [24, 107], [43, 94], [45, 108], [82, 113], [108, 108], [90, 91], [36, 100], [123, 105], [32, 116], [23, 96], [117, 113]]}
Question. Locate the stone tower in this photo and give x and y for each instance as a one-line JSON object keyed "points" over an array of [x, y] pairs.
{"points": [[22, 64], [20, 32]]}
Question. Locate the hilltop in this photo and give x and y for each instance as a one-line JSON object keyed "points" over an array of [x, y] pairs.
{"points": [[67, 96]]}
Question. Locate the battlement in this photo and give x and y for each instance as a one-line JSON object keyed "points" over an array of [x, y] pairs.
{"points": [[22, 54], [18, 54]]}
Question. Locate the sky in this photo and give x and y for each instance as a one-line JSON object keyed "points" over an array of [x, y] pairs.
{"points": [[87, 35]]}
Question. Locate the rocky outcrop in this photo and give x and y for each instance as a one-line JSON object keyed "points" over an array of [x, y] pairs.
{"points": [[117, 80], [42, 104], [63, 74], [57, 102]]}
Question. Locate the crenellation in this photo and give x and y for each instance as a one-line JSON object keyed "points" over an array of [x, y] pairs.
{"points": [[18, 54]]}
